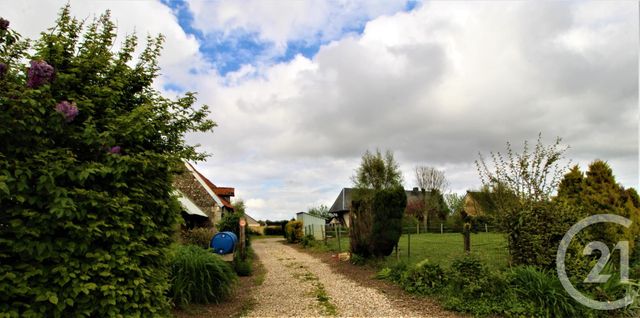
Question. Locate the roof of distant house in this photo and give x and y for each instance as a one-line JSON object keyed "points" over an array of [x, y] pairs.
{"points": [[343, 201]]}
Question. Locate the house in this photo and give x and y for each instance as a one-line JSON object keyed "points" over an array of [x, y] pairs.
{"points": [[477, 203], [312, 224], [198, 196], [342, 205]]}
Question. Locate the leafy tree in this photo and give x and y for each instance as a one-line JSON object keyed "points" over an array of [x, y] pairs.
{"points": [[436, 207], [87, 154], [530, 175], [321, 211], [377, 172], [378, 205], [571, 185], [430, 178], [455, 202], [231, 221], [519, 186]]}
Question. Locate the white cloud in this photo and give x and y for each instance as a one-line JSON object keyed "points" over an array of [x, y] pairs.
{"points": [[436, 85], [283, 21]]}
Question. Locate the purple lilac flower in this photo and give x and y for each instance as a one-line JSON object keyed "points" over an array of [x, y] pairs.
{"points": [[115, 149], [39, 73], [4, 24], [3, 69], [68, 110]]}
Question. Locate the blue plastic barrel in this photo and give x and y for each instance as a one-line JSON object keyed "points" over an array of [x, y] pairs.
{"points": [[224, 242]]}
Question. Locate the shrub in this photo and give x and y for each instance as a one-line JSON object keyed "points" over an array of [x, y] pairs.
{"points": [[468, 276], [200, 236], [273, 230], [544, 290], [424, 278], [308, 240], [242, 267], [230, 222], [87, 152], [356, 259], [293, 231], [199, 276]]}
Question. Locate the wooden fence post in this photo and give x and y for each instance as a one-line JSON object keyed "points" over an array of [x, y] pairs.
{"points": [[409, 245], [467, 237], [243, 253], [338, 235], [441, 229]]}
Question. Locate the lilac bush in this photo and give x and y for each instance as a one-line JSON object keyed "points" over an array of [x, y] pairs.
{"points": [[40, 73], [68, 110], [4, 24], [115, 150]]}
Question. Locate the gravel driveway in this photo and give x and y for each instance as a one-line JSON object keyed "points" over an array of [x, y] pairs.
{"points": [[297, 284]]}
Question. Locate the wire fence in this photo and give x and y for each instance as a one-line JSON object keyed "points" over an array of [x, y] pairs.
{"points": [[440, 244]]}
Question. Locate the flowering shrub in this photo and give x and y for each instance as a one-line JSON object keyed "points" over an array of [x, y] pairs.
{"points": [[84, 233], [68, 110]]}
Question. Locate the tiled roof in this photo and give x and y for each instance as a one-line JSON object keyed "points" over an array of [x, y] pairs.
{"points": [[219, 191]]}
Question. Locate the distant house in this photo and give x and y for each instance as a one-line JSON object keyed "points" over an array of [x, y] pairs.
{"points": [[312, 224], [342, 205], [477, 203], [200, 196]]}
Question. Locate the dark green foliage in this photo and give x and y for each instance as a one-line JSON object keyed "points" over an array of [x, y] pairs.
{"points": [[200, 236], [388, 209], [294, 231], [424, 278], [307, 240], [242, 267], [87, 210], [409, 223], [199, 277], [230, 222], [356, 259], [273, 230]]}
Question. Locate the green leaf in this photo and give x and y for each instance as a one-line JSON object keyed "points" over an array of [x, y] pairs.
{"points": [[53, 299]]}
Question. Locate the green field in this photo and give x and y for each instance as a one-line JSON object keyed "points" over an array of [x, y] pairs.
{"points": [[491, 248]]}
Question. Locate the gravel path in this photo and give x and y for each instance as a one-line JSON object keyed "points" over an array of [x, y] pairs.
{"points": [[297, 284]]}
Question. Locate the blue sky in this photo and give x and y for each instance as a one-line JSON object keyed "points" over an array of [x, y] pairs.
{"points": [[228, 50]]}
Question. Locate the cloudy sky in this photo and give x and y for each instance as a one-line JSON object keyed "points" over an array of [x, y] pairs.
{"points": [[300, 89]]}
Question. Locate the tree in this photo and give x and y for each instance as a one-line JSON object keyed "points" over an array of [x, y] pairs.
{"points": [[88, 150], [519, 186], [321, 211], [430, 178], [239, 206], [378, 205], [529, 175], [455, 202], [571, 185], [377, 172]]}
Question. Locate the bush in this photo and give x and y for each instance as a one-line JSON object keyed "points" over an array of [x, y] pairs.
{"points": [[424, 278], [293, 231], [356, 259], [308, 240], [273, 230], [544, 290], [243, 267], [199, 236], [87, 152], [199, 276], [230, 222]]}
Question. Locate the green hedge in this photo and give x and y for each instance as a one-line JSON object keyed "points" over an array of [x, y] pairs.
{"points": [[293, 231], [87, 150]]}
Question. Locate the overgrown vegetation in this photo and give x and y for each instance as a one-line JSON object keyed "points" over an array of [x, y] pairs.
{"points": [[199, 277], [294, 231], [378, 206], [87, 153], [200, 236]]}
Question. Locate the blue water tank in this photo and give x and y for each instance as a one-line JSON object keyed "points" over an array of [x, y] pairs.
{"points": [[224, 242]]}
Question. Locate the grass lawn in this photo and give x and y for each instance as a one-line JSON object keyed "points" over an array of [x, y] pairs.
{"points": [[442, 249], [491, 248]]}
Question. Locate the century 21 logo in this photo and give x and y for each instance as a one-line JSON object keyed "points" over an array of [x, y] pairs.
{"points": [[595, 276]]}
